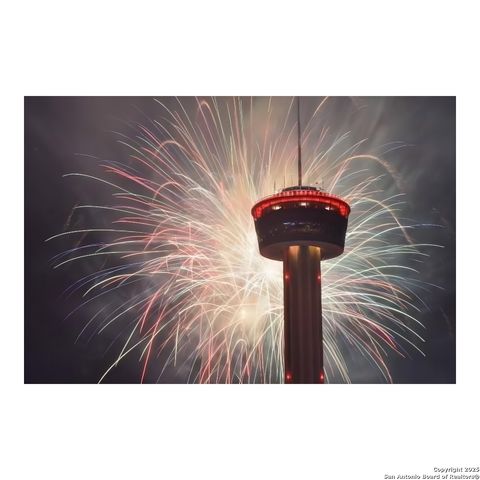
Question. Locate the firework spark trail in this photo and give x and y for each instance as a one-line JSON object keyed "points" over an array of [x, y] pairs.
{"points": [[181, 246]]}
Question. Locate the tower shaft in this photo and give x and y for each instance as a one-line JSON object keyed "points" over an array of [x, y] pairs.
{"points": [[303, 315]]}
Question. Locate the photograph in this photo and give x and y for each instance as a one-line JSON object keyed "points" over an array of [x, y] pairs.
{"points": [[268, 240]]}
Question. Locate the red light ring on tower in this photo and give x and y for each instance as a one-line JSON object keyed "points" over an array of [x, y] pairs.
{"points": [[299, 196]]}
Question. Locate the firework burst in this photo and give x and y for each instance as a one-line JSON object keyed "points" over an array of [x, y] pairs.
{"points": [[181, 280]]}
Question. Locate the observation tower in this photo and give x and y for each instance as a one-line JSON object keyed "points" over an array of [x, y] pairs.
{"points": [[302, 226]]}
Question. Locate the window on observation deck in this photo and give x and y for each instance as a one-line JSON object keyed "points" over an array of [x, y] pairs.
{"points": [[325, 205]]}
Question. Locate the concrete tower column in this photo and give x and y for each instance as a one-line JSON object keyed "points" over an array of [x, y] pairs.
{"points": [[303, 315]]}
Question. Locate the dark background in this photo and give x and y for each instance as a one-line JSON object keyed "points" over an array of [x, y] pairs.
{"points": [[59, 128]]}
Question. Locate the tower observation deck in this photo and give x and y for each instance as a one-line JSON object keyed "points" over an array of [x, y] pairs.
{"points": [[302, 226]]}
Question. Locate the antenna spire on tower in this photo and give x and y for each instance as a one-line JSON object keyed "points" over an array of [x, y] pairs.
{"points": [[299, 144]]}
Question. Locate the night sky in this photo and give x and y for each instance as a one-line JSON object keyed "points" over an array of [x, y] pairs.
{"points": [[58, 129]]}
